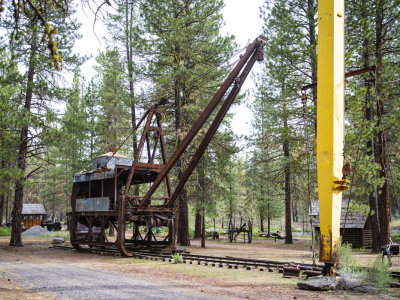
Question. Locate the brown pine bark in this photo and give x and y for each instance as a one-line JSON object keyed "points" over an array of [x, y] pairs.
{"points": [[8, 207], [183, 211], [288, 214], [15, 239], [2, 197], [311, 12], [197, 225], [129, 58], [1, 208], [183, 225], [268, 222], [203, 230], [373, 198], [261, 222], [381, 152]]}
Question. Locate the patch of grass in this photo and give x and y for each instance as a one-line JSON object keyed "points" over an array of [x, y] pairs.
{"points": [[263, 238], [5, 231], [64, 234], [209, 272], [395, 236]]}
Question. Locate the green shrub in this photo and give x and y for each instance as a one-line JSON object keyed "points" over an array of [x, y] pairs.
{"points": [[395, 236], [353, 274], [178, 259], [378, 274], [346, 261], [5, 231]]}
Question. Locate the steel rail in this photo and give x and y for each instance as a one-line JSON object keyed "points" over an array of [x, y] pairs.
{"points": [[229, 261]]}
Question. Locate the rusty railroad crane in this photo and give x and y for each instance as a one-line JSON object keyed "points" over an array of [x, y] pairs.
{"points": [[100, 198]]}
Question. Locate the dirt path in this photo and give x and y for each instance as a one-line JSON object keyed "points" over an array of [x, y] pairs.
{"points": [[72, 281], [38, 271]]}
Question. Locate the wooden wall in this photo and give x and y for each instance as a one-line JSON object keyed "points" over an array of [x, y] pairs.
{"points": [[28, 223]]}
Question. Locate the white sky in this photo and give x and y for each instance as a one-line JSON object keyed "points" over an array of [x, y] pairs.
{"points": [[241, 19]]}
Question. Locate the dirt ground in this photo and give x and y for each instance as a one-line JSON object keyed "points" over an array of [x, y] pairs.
{"points": [[188, 281]]}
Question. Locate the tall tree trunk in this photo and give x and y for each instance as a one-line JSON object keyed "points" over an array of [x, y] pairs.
{"points": [[1, 208], [262, 222], [8, 206], [197, 225], [183, 223], [2, 197], [129, 58], [295, 217], [23, 149], [311, 12], [373, 198], [203, 229], [382, 155], [268, 221], [288, 215]]}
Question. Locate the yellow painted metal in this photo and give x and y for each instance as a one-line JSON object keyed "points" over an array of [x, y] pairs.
{"points": [[330, 124]]}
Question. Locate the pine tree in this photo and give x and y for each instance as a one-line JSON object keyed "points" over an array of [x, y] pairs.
{"points": [[9, 103], [69, 153], [123, 28], [36, 116], [185, 48], [113, 122], [371, 41]]}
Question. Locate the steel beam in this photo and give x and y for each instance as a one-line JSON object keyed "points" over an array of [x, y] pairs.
{"points": [[330, 124], [203, 117]]}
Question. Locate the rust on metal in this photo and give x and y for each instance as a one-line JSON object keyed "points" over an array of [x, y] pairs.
{"points": [[104, 193], [245, 229], [346, 75]]}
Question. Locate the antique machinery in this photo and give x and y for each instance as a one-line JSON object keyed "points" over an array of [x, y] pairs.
{"points": [[102, 198], [246, 229]]}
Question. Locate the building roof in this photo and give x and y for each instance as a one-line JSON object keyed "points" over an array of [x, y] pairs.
{"points": [[33, 209], [349, 218]]}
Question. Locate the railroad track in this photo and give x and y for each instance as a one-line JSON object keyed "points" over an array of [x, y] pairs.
{"points": [[220, 262], [214, 261]]}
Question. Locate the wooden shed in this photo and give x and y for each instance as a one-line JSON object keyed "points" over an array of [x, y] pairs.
{"points": [[33, 214], [355, 226]]}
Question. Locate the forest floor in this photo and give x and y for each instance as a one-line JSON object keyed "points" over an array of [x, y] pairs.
{"points": [[37, 271]]}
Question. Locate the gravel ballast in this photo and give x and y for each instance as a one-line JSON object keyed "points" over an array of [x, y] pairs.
{"points": [[36, 231]]}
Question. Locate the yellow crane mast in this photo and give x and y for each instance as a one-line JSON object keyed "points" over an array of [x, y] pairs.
{"points": [[330, 125]]}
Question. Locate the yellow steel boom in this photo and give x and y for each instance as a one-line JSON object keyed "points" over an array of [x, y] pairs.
{"points": [[330, 124]]}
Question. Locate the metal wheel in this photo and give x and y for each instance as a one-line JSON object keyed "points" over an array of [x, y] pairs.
{"points": [[250, 231], [231, 229]]}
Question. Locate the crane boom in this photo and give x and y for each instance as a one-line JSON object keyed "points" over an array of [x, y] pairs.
{"points": [[243, 67]]}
